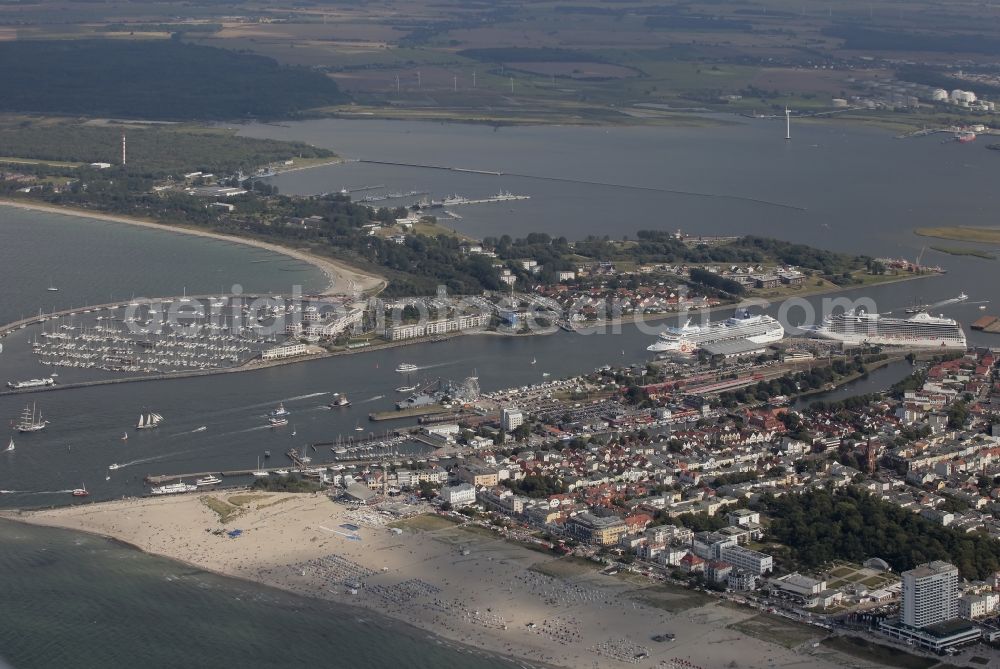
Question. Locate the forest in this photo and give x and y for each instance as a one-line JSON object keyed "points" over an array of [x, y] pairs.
{"points": [[819, 526], [661, 246], [152, 152], [155, 79]]}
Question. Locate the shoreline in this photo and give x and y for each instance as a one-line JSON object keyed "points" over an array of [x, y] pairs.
{"points": [[336, 272], [416, 630], [461, 583], [599, 327]]}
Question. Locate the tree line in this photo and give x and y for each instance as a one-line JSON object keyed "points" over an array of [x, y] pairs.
{"points": [[819, 526]]}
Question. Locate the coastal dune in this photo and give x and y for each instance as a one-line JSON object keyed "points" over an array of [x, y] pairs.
{"points": [[462, 582], [341, 278]]}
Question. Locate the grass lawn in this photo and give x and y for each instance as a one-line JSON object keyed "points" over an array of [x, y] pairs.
{"points": [[224, 510], [240, 500], [567, 567], [670, 598], [873, 652], [777, 630], [962, 233], [425, 523]]}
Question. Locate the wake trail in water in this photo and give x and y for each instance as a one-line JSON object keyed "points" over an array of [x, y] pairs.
{"points": [[36, 492], [270, 403], [194, 431], [156, 458], [373, 399]]}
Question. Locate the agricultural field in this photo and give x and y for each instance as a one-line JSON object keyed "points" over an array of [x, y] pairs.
{"points": [[578, 61]]}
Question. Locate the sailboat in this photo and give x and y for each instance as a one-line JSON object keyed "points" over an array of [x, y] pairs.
{"points": [[31, 421], [148, 420], [293, 430], [81, 491], [125, 437], [52, 287], [259, 473], [10, 446], [534, 361]]}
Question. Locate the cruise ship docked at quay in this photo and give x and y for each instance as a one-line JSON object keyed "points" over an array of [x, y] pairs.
{"points": [[743, 326], [918, 331]]}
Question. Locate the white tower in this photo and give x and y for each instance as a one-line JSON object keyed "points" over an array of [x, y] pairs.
{"points": [[788, 124]]}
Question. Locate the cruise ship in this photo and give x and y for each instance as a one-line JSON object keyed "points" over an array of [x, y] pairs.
{"points": [[761, 329], [918, 331]]}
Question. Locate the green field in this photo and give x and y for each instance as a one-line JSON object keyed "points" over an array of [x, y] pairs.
{"points": [[776, 629], [872, 652], [425, 523]]}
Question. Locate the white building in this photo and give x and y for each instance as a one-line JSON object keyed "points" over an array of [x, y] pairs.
{"points": [[284, 351], [459, 495], [971, 607], [446, 431], [930, 594], [743, 517], [436, 327], [752, 561], [511, 419]]}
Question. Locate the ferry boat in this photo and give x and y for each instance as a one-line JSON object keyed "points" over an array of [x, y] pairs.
{"points": [[31, 383], [208, 480], [918, 331], [148, 420], [280, 411], [404, 367], [688, 338], [339, 400], [276, 421], [31, 420], [174, 488]]}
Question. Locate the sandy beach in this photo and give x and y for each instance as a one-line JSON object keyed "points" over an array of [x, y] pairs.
{"points": [[341, 278], [463, 583]]}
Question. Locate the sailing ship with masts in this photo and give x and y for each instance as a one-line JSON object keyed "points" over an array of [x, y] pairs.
{"points": [[148, 420], [31, 420]]}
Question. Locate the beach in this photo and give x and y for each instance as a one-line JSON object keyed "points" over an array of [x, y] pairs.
{"points": [[461, 582], [341, 278]]}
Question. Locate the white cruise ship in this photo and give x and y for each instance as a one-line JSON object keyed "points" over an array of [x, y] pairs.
{"points": [[918, 331], [761, 329]]}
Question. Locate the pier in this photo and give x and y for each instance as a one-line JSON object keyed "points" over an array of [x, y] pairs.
{"points": [[432, 167]]}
